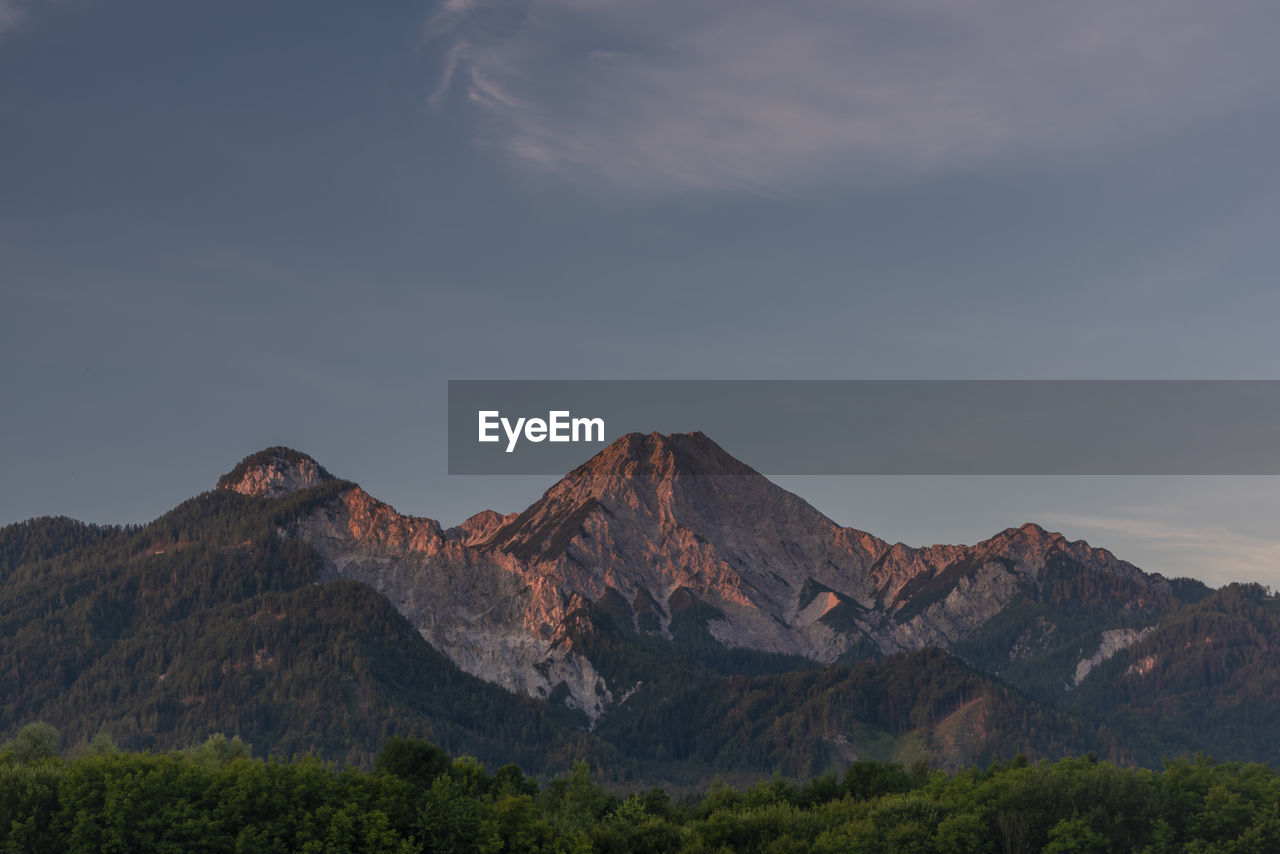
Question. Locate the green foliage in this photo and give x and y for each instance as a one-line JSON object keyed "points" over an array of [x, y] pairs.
{"points": [[178, 802], [866, 780], [218, 750], [1075, 836], [453, 819], [101, 744], [413, 760], [28, 803], [35, 742]]}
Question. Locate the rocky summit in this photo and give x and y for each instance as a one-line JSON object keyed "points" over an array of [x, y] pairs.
{"points": [[656, 528]]}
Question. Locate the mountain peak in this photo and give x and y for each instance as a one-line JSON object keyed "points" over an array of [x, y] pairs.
{"points": [[1027, 538], [661, 454], [274, 472]]}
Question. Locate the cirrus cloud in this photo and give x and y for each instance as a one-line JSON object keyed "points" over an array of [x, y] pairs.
{"points": [[11, 15], [1212, 553], [711, 94]]}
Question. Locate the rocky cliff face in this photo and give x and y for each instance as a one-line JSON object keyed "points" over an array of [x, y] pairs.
{"points": [[648, 526]]}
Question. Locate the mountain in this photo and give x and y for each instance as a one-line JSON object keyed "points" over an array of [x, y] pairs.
{"points": [[208, 620], [671, 536], [664, 611]]}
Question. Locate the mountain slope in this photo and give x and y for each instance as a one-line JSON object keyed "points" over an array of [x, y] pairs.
{"points": [[655, 526], [1204, 680], [206, 620], [772, 715]]}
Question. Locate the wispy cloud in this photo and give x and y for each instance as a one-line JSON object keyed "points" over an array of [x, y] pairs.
{"points": [[1211, 553], [11, 15], [16, 13], [673, 94]]}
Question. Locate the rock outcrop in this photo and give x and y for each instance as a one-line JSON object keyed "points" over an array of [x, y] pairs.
{"points": [[274, 472], [1113, 640]]}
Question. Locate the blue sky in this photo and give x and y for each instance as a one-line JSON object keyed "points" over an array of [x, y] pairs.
{"points": [[226, 226]]}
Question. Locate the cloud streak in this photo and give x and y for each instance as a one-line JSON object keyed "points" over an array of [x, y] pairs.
{"points": [[11, 15], [714, 94]]}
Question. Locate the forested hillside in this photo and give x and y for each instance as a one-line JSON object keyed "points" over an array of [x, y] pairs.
{"points": [[1206, 679], [206, 621]]}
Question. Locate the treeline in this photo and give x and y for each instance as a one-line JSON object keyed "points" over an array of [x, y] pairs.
{"points": [[216, 798]]}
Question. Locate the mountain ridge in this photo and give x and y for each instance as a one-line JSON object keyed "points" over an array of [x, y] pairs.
{"points": [[658, 524]]}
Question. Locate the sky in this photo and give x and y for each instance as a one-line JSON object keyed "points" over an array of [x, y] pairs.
{"points": [[232, 225]]}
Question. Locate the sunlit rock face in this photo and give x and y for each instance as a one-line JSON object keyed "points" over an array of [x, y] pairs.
{"points": [[275, 472], [653, 515], [469, 605], [652, 525]]}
